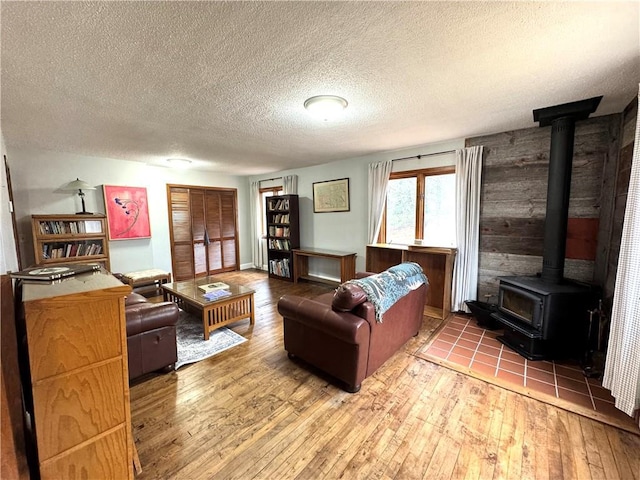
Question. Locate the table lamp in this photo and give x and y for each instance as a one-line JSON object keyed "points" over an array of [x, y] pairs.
{"points": [[79, 185]]}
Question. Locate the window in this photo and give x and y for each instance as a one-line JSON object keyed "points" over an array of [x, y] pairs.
{"points": [[401, 208], [420, 205], [264, 193]]}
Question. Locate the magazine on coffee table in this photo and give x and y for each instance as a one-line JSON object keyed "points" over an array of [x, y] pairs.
{"points": [[216, 294], [210, 287], [47, 274]]}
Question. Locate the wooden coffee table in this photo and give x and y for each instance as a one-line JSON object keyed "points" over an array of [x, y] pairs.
{"points": [[215, 313]]}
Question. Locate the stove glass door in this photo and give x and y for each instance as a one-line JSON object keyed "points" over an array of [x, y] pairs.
{"points": [[524, 306]]}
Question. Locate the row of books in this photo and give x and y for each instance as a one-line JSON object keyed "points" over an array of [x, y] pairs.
{"points": [[280, 218], [70, 250], [280, 267], [279, 231], [277, 244], [59, 227], [281, 204]]}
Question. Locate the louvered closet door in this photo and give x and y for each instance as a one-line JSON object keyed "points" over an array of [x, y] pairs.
{"points": [[228, 215], [213, 229], [221, 227], [204, 236], [198, 232], [180, 222]]}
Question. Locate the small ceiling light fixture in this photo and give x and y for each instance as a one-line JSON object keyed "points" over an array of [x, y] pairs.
{"points": [[325, 107], [79, 185], [179, 162]]}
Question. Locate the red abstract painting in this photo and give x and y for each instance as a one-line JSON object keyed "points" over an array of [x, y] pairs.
{"points": [[127, 212]]}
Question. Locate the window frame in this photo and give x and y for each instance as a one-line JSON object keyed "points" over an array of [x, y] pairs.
{"points": [[420, 175], [276, 190]]}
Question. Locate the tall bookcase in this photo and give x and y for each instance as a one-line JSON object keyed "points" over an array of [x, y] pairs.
{"points": [[59, 239], [283, 234]]}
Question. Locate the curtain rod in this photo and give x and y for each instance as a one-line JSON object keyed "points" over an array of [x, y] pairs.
{"points": [[269, 179], [423, 155]]}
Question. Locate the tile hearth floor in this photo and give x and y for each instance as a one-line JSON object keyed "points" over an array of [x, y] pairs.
{"points": [[467, 345]]}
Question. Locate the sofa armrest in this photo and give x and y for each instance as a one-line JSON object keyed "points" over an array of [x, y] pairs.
{"points": [[143, 317], [344, 326]]}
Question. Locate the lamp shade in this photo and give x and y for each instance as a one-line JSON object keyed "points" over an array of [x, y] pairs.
{"points": [[78, 184]]}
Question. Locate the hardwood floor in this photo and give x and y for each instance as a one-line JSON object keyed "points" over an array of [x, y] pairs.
{"points": [[250, 412]]}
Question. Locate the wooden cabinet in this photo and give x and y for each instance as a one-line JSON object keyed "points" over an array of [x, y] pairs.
{"points": [[59, 239], [283, 234], [436, 262], [77, 381], [203, 229]]}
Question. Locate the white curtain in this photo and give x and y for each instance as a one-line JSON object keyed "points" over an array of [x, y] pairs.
{"points": [[622, 367], [468, 182], [378, 181], [290, 185], [256, 225]]}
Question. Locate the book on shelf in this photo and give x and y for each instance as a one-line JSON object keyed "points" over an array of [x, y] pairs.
{"points": [[66, 250], [211, 287], [280, 267], [281, 204], [277, 244]]}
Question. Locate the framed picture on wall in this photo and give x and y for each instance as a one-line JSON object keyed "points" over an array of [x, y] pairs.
{"points": [[331, 196], [127, 212]]}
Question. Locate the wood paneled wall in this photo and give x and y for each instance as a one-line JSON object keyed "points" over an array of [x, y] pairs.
{"points": [[622, 175], [513, 200]]}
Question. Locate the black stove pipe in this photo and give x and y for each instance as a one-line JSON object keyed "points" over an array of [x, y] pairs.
{"points": [[558, 190], [562, 119]]}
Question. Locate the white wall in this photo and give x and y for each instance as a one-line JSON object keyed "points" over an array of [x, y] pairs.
{"points": [[39, 175], [347, 231], [8, 257]]}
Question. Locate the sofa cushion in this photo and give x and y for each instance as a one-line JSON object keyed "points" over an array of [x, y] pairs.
{"points": [[348, 296]]}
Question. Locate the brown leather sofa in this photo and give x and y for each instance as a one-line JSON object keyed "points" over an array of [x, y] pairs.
{"points": [[338, 332], [151, 334]]}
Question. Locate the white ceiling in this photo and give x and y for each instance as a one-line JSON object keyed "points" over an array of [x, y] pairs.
{"points": [[223, 83]]}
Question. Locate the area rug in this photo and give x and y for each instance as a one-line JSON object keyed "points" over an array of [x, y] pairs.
{"points": [[192, 347], [463, 346]]}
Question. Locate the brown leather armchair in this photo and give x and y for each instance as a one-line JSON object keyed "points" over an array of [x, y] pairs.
{"points": [[338, 332], [151, 335]]}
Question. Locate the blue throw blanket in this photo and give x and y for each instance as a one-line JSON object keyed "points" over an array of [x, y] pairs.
{"points": [[384, 289]]}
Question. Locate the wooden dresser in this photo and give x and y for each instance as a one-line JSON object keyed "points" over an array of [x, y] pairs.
{"points": [[76, 346]]}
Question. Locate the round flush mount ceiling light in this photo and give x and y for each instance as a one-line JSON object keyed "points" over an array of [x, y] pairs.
{"points": [[325, 107], [179, 162]]}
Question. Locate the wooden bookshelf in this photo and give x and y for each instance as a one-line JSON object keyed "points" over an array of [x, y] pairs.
{"points": [[436, 262], [283, 235], [60, 239]]}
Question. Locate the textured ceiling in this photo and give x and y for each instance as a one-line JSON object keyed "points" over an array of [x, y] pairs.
{"points": [[223, 83]]}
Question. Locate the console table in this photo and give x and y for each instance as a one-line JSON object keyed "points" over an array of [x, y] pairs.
{"points": [[301, 264], [436, 262]]}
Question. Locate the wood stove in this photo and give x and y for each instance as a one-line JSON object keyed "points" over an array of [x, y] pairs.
{"points": [[546, 316], [544, 320]]}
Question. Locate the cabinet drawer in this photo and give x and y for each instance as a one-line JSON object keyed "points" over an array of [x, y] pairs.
{"points": [[70, 409], [64, 336], [105, 457]]}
